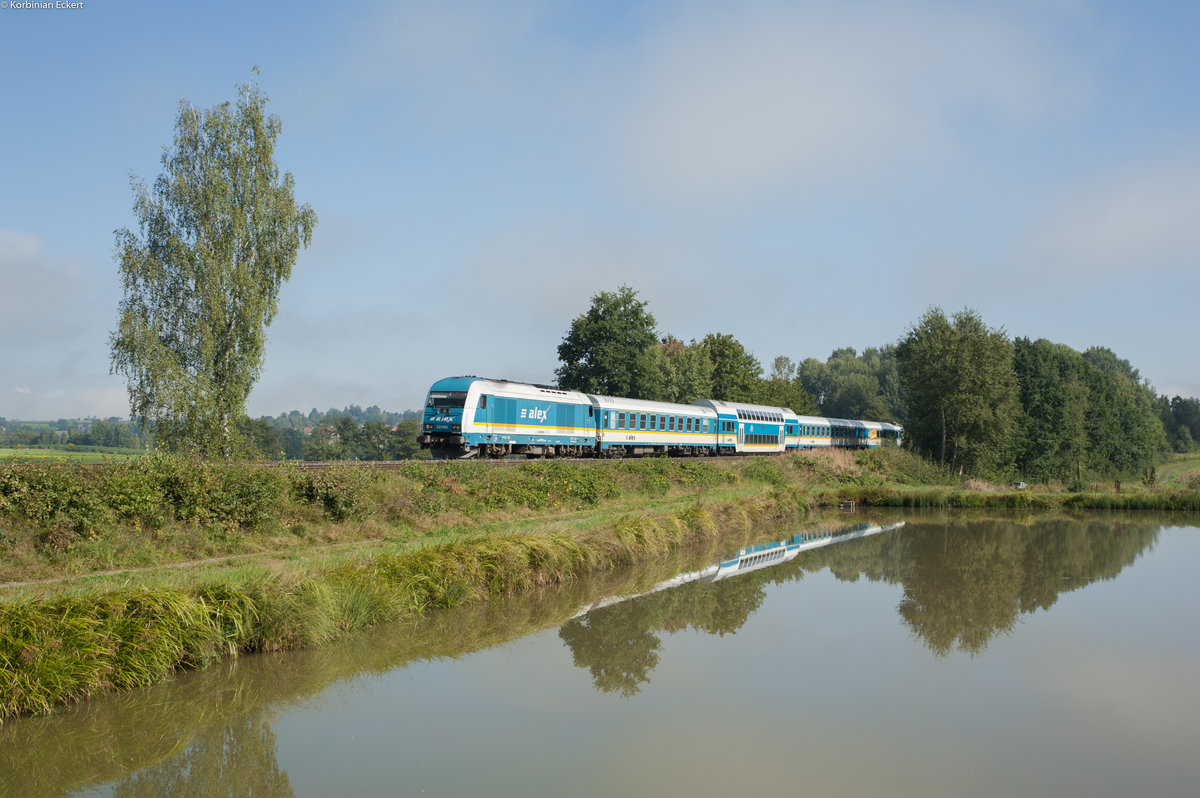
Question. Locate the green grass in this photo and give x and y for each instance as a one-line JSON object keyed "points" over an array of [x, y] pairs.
{"points": [[83, 454]]}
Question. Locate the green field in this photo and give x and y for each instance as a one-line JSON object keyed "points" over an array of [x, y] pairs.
{"points": [[82, 454], [1182, 472]]}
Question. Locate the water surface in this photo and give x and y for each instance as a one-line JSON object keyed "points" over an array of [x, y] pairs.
{"points": [[950, 657]]}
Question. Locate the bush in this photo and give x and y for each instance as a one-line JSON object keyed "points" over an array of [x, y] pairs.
{"points": [[764, 470], [338, 491]]}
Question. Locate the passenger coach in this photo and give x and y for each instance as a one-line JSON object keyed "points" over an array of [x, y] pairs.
{"points": [[746, 428], [635, 426]]}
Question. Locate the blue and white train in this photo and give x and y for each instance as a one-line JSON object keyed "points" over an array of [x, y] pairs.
{"points": [[468, 417]]}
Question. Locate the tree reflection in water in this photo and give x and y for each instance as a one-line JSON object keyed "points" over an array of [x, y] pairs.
{"points": [[236, 759], [618, 645], [962, 585]]}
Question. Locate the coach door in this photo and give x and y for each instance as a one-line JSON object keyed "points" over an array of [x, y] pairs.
{"points": [[741, 437]]}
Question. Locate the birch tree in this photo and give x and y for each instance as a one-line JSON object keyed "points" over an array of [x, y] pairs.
{"points": [[217, 235]]}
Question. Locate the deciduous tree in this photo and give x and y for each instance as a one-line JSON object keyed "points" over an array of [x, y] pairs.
{"points": [[962, 389], [736, 372], [218, 233], [603, 352]]}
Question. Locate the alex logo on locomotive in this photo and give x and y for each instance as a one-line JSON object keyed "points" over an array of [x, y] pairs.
{"points": [[536, 413]]}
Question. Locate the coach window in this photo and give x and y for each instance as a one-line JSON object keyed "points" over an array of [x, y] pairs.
{"points": [[653, 422], [642, 420], [483, 402], [671, 424]]}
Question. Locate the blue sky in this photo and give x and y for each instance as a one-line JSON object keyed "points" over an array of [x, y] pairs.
{"points": [[481, 169]]}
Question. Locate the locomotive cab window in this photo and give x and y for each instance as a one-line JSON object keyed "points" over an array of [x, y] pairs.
{"points": [[447, 399]]}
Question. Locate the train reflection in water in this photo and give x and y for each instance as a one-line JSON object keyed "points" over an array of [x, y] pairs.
{"points": [[754, 558]]}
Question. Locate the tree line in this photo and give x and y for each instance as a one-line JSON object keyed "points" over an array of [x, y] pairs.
{"points": [[331, 438], [111, 433], [970, 397]]}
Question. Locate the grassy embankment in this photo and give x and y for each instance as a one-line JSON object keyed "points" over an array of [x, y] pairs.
{"points": [[277, 558]]}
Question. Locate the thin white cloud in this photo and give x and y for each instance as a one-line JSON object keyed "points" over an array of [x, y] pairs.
{"points": [[54, 317], [453, 61], [1141, 218], [18, 245], [738, 100]]}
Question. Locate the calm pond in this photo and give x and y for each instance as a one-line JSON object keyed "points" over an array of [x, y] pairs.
{"points": [[948, 657]]}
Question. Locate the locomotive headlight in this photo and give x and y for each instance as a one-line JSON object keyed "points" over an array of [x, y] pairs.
{"points": [[428, 426], [456, 427]]}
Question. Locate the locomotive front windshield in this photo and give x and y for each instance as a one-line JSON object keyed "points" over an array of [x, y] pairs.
{"points": [[447, 399]]}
